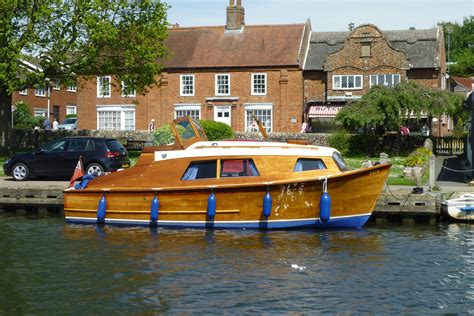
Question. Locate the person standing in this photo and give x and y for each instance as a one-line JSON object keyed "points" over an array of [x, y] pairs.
{"points": [[151, 126], [55, 124], [46, 124], [404, 130]]}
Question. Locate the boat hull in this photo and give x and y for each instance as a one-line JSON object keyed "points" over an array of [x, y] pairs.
{"points": [[459, 210], [294, 204]]}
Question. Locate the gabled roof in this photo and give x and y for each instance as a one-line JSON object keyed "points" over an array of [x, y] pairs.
{"points": [[254, 46], [466, 83], [421, 46]]}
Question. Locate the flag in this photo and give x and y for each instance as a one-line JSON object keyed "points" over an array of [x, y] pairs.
{"points": [[78, 172]]}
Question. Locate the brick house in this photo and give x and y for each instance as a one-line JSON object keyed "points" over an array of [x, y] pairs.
{"points": [[222, 73], [342, 66], [62, 98]]}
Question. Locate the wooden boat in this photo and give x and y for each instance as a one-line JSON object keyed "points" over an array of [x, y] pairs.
{"points": [[230, 184], [459, 209]]}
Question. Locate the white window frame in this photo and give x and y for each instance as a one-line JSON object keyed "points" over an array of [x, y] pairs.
{"points": [[100, 85], [253, 92], [187, 108], [39, 112], [122, 110], [71, 88], [258, 107], [182, 85], [71, 109], [341, 77], [376, 77], [218, 85], [40, 91], [23, 92], [132, 94]]}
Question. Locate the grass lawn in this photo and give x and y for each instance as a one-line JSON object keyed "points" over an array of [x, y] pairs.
{"points": [[395, 176]]}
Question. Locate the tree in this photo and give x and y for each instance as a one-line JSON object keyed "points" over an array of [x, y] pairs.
{"points": [[459, 46], [390, 106], [78, 39]]}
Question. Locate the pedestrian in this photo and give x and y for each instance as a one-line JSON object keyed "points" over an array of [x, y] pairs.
{"points": [[151, 126], [404, 130], [46, 124], [55, 124]]}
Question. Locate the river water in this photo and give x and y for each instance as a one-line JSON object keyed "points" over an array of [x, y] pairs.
{"points": [[49, 267]]}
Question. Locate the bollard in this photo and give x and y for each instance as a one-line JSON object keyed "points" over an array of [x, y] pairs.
{"points": [[432, 171]]}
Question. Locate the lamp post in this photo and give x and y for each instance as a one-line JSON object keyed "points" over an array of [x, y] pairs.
{"points": [[48, 91]]}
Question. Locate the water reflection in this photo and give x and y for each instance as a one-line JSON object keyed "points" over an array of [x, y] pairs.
{"points": [[49, 266]]}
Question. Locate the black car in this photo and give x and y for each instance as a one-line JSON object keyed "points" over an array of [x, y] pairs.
{"points": [[59, 158]]}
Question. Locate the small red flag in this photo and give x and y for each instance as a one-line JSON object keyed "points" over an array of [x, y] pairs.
{"points": [[78, 172]]}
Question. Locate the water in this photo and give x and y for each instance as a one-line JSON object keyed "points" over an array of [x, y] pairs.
{"points": [[49, 267]]}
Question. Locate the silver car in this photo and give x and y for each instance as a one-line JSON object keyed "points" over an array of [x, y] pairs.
{"points": [[69, 123]]}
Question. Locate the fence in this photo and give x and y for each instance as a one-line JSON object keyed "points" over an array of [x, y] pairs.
{"points": [[449, 145]]}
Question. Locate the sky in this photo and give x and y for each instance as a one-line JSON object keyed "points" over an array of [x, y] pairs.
{"points": [[325, 15]]}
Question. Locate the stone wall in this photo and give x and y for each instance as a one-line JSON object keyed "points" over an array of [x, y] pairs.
{"points": [[28, 139]]}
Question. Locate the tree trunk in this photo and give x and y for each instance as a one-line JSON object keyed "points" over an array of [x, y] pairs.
{"points": [[5, 122]]}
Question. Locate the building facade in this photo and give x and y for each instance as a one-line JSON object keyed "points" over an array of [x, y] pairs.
{"points": [[233, 74], [343, 66]]}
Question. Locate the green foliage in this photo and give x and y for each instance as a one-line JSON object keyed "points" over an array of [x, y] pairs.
{"points": [[390, 106], [217, 130], [71, 115], [82, 38], [22, 117], [458, 41], [464, 66], [340, 141], [163, 135], [418, 158]]}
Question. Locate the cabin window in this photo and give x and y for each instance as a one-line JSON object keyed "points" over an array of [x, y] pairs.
{"points": [[339, 161], [238, 168], [305, 164], [201, 170]]}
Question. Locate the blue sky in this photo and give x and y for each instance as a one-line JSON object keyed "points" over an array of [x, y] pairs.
{"points": [[325, 15]]}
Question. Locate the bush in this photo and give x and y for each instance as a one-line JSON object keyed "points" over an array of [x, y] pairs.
{"points": [[366, 145], [23, 119], [340, 140], [418, 158], [217, 130], [163, 135]]}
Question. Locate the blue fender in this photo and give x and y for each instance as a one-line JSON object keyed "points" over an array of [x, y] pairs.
{"points": [[211, 205], [267, 205]]}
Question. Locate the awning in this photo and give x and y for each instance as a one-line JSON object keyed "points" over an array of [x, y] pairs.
{"points": [[323, 111]]}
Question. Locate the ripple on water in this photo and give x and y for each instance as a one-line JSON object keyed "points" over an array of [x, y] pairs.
{"points": [[49, 267]]}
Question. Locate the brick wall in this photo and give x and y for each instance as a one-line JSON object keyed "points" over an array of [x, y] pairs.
{"points": [[60, 98], [284, 91]]}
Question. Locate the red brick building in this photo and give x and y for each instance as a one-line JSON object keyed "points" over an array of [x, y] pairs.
{"points": [[223, 73], [58, 98], [342, 66]]}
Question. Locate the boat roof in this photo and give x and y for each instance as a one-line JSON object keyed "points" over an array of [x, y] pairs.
{"points": [[244, 148]]}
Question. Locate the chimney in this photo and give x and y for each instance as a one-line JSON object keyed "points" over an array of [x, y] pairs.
{"points": [[235, 16]]}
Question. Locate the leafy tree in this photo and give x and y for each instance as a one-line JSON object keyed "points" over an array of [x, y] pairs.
{"points": [[459, 41], [391, 106], [72, 39]]}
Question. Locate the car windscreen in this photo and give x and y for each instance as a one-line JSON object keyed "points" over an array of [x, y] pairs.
{"points": [[70, 121]]}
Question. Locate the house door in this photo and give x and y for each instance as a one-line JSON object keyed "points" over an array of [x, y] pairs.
{"points": [[222, 114]]}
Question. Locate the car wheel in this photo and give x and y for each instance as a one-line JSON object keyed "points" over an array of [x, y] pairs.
{"points": [[94, 168], [20, 172]]}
